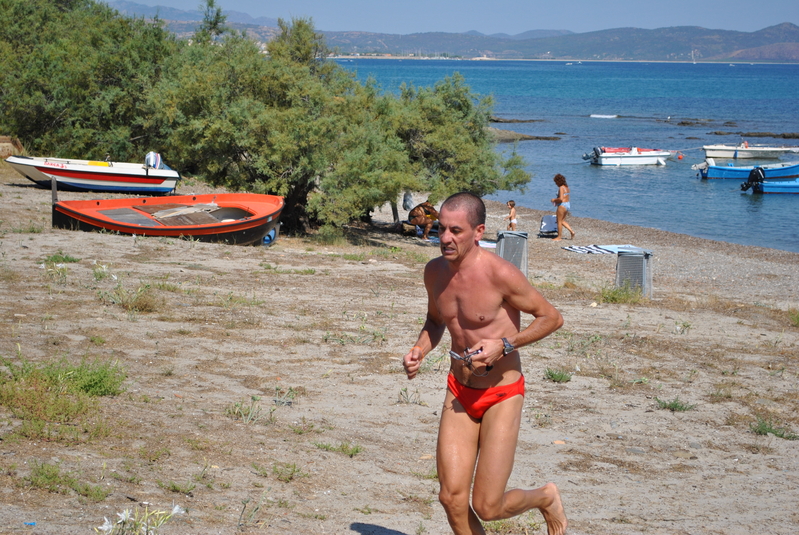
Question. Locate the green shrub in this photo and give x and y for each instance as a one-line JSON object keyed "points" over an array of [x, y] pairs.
{"points": [[61, 258], [674, 405], [766, 426], [330, 235], [558, 376], [620, 294], [46, 397], [50, 478]]}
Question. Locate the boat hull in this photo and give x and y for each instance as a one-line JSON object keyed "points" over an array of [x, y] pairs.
{"points": [[786, 186], [740, 152], [610, 156], [637, 159], [235, 218], [86, 175], [785, 171]]}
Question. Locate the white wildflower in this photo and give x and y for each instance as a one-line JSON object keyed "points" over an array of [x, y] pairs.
{"points": [[107, 526]]}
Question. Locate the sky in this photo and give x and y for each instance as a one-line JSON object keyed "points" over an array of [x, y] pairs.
{"points": [[511, 16]]}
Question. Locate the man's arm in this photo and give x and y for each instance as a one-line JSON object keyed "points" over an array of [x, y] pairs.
{"points": [[431, 332], [523, 297], [519, 294]]}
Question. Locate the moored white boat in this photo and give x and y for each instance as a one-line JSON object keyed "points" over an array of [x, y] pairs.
{"points": [[745, 150], [152, 177], [626, 156]]}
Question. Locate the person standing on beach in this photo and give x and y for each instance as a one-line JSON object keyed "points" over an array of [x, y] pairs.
{"points": [[562, 205], [478, 297], [511, 217]]}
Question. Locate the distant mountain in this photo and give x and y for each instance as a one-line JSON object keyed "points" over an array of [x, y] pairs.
{"points": [[775, 43], [167, 13], [778, 43], [530, 34], [539, 34]]}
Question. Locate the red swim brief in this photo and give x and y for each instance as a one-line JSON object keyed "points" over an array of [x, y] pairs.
{"points": [[477, 401]]}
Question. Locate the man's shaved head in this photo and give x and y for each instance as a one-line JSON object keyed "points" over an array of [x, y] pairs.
{"points": [[471, 203]]}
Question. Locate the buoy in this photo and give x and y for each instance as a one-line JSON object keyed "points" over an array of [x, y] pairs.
{"points": [[679, 156]]}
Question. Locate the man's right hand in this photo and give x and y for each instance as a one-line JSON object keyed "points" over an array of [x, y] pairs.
{"points": [[413, 361]]}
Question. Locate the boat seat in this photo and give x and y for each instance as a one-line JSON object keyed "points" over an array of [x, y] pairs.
{"points": [[177, 215], [191, 218], [131, 216]]}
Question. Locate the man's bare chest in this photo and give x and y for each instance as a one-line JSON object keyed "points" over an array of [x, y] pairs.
{"points": [[468, 304]]}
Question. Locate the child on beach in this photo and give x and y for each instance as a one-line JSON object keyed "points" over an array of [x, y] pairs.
{"points": [[512, 215]]}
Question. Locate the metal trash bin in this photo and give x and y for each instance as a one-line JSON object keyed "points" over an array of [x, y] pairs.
{"points": [[512, 246], [634, 269]]}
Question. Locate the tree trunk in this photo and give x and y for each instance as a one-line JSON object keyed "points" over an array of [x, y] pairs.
{"points": [[294, 217]]}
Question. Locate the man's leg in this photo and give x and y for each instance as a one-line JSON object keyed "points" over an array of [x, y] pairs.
{"points": [[561, 213], [499, 434], [456, 454], [427, 228], [424, 222]]}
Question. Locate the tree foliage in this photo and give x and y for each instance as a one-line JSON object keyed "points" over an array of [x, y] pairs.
{"points": [[290, 122], [213, 23], [73, 76]]}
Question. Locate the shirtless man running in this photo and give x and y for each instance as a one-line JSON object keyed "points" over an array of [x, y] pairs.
{"points": [[478, 297]]}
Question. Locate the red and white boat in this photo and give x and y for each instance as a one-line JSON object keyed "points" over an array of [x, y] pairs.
{"points": [[627, 156], [153, 177], [234, 218]]}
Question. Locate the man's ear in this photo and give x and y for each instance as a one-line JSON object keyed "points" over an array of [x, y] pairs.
{"points": [[479, 231]]}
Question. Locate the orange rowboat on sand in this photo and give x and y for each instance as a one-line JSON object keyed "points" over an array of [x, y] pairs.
{"points": [[234, 218]]}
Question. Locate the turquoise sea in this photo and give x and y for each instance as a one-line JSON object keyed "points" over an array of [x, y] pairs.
{"points": [[674, 106]]}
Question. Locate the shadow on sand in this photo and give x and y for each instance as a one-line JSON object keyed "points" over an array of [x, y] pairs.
{"points": [[371, 529]]}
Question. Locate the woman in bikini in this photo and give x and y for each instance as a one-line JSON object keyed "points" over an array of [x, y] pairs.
{"points": [[563, 206]]}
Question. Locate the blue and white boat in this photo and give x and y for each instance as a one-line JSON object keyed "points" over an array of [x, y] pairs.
{"points": [[759, 185], [779, 186], [780, 171]]}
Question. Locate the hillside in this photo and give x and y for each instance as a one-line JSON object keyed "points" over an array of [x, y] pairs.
{"points": [[778, 43]]}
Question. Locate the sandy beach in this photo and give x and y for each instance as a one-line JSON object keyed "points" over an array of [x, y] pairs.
{"points": [[310, 336]]}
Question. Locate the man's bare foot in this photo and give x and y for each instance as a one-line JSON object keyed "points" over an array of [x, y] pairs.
{"points": [[556, 239], [553, 513], [573, 233]]}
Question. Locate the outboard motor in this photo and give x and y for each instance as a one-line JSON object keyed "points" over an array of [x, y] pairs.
{"points": [[595, 154], [756, 176]]}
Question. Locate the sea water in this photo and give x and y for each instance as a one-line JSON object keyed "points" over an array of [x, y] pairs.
{"points": [[671, 106]]}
